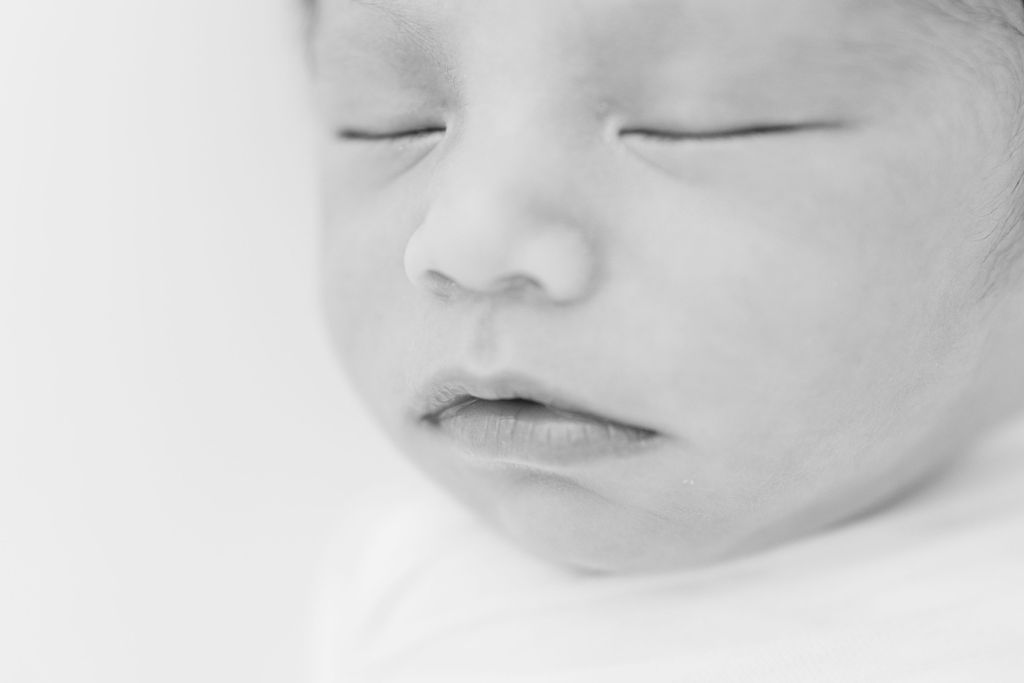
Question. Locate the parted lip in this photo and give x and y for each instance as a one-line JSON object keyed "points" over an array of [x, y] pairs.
{"points": [[448, 391]]}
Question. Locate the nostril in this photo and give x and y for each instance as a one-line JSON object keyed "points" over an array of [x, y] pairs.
{"points": [[439, 283], [446, 287], [515, 283]]}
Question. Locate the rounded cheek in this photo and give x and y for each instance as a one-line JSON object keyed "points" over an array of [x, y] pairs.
{"points": [[800, 347], [366, 299], [831, 297]]}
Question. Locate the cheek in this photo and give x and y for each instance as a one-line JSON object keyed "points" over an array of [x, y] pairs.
{"points": [[784, 313], [366, 298]]}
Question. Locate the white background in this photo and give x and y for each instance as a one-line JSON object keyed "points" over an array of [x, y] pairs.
{"points": [[175, 439]]}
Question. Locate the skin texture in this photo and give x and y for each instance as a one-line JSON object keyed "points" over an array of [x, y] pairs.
{"points": [[782, 234]]}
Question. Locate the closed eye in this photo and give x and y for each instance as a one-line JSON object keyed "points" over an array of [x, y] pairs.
{"points": [[728, 133], [408, 135]]}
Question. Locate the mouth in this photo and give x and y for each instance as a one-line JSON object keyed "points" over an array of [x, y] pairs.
{"points": [[513, 419]]}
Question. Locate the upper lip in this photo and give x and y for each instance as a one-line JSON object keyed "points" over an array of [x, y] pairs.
{"points": [[449, 389]]}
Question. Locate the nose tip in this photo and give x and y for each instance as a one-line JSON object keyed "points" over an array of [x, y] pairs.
{"points": [[554, 263]]}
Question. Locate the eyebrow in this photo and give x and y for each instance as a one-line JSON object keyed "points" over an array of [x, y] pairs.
{"points": [[403, 22], [971, 10], [411, 37]]}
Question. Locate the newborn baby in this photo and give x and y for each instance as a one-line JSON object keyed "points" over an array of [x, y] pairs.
{"points": [[660, 287]]}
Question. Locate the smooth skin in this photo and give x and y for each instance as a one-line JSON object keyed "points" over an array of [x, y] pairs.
{"points": [[781, 234]]}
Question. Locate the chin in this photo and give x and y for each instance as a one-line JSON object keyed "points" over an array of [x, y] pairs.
{"points": [[620, 551], [569, 526]]}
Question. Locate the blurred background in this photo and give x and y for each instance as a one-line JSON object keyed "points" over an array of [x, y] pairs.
{"points": [[176, 443]]}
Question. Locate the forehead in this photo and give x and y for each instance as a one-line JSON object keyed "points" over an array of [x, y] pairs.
{"points": [[602, 25], [838, 48], [607, 43]]}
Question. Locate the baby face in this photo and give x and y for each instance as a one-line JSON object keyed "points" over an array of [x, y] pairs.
{"points": [[652, 283]]}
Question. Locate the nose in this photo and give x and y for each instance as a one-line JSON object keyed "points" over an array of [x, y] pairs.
{"points": [[492, 238]]}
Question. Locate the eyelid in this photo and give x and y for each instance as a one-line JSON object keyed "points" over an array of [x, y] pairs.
{"points": [[360, 135], [751, 131]]}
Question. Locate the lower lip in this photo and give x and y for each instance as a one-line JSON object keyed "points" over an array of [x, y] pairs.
{"points": [[532, 434]]}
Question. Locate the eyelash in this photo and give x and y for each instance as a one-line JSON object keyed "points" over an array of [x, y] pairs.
{"points": [[727, 134], [411, 135], [389, 137]]}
